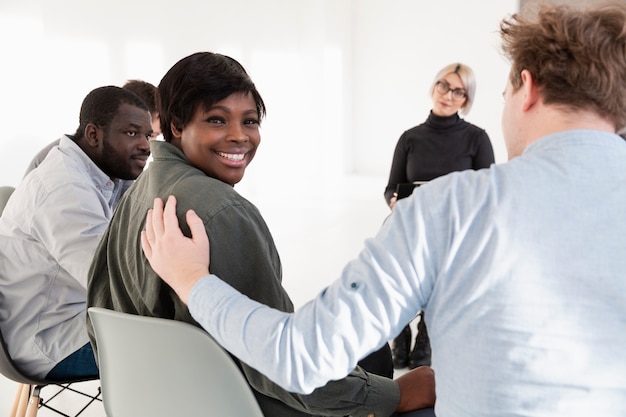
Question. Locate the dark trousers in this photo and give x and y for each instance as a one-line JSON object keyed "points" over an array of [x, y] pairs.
{"points": [[379, 362], [78, 365], [424, 412]]}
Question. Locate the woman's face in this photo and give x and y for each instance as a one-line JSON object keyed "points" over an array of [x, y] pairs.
{"points": [[222, 140], [445, 104]]}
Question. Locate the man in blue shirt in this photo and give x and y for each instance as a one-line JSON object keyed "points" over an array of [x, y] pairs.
{"points": [[520, 267]]}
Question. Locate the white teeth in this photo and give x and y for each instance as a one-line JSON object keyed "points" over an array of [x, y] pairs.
{"points": [[232, 156]]}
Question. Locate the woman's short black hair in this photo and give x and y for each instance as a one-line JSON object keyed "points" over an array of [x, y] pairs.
{"points": [[203, 78]]}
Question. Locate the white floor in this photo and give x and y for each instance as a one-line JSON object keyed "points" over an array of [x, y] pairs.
{"points": [[317, 231]]}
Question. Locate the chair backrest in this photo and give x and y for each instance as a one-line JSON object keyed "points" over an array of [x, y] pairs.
{"points": [[157, 367], [5, 193]]}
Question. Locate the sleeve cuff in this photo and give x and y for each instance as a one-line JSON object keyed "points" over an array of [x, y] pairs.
{"points": [[383, 398]]}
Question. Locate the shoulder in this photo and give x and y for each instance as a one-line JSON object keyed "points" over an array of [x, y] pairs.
{"points": [[474, 130], [416, 129], [59, 171], [209, 197], [458, 190], [416, 132], [41, 155], [171, 174]]}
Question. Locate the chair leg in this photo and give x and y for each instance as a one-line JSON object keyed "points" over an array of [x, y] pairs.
{"points": [[21, 401], [33, 402], [16, 401]]}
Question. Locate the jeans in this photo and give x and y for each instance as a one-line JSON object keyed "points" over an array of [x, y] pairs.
{"points": [[424, 412], [79, 365]]}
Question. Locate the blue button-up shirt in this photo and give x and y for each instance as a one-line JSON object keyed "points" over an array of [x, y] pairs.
{"points": [[520, 268]]}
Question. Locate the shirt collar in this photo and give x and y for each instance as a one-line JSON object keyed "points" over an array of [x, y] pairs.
{"points": [[111, 189], [574, 137]]}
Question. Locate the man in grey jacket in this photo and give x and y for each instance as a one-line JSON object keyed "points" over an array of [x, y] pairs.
{"points": [[51, 226]]}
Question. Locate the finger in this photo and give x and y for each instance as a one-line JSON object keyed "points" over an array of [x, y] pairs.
{"points": [[170, 221], [196, 226], [150, 226], [145, 245], [157, 218]]}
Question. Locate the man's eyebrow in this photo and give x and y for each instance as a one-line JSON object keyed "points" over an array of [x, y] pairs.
{"points": [[136, 125]]}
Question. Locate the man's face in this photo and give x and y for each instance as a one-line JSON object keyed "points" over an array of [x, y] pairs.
{"points": [[156, 127], [222, 140], [125, 146]]}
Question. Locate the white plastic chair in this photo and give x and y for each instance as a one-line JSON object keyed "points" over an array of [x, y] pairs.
{"points": [[156, 367]]}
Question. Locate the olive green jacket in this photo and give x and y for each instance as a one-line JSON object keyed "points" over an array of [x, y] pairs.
{"points": [[242, 253]]}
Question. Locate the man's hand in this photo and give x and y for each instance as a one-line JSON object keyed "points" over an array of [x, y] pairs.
{"points": [[417, 389], [178, 260]]}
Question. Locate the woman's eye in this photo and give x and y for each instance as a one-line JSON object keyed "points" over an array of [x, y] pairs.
{"points": [[251, 122], [215, 120]]}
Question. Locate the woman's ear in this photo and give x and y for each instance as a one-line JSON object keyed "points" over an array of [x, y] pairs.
{"points": [[177, 130]]}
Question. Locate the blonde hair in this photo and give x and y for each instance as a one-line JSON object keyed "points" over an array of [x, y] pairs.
{"points": [[467, 78]]}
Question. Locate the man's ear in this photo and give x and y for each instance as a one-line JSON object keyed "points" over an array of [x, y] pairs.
{"points": [[93, 134], [530, 90]]}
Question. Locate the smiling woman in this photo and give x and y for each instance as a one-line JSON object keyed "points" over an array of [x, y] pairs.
{"points": [[210, 114]]}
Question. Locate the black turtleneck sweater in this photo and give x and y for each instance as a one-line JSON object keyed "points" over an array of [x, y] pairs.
{"points": [[437, 147]]}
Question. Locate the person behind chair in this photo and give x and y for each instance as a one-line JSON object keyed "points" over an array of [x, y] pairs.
{"points": [[520, 267], [144, 90], [444, 143], [51, 226], [210, 113], [148, 93]]}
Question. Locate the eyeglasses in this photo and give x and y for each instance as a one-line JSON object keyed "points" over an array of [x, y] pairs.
{"points": [[443, 87]]}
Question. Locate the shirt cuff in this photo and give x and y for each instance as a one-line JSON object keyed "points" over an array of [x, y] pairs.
{"points": [[383, 397]]}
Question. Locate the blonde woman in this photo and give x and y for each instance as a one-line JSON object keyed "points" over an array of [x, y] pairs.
{"points": [[442, 144]]}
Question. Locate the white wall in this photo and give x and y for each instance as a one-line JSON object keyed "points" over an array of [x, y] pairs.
{"points": [[341, 79], [400, 47]]}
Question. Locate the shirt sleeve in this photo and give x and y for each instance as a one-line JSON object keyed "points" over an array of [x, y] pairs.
{"points": [[69, 223], [377, 294], [240, 230]]}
